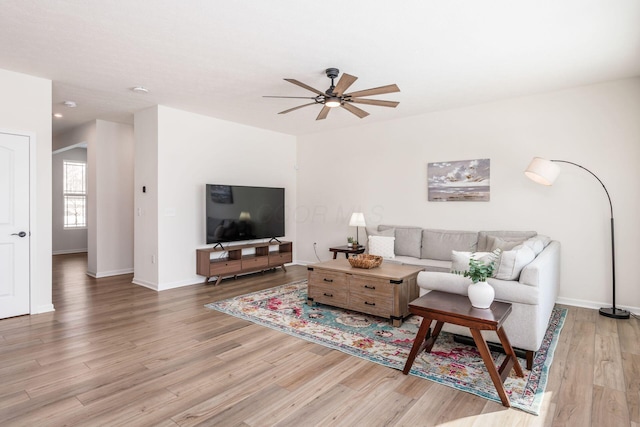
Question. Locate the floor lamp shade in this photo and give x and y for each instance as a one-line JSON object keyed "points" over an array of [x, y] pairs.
{"points": [[542, 171], [357, 220], [545, 172]]}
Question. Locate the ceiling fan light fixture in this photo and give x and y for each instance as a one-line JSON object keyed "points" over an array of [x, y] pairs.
{"points": [[332, 101]]}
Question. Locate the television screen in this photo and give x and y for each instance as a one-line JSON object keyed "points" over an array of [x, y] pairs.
{"points": [[243, 213]]}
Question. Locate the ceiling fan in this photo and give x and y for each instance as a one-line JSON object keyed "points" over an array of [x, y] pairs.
{"points": [[335, 96]]}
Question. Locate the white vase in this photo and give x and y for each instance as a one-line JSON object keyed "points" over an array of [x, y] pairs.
{"points": [[481, 294]]}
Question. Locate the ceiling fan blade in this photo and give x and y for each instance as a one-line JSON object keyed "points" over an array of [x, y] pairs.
{"points": [[296, 82], [375, 91], [295, 108], [323, 113], [295, 97], [355, 110], [377, 102], [343, 84]]}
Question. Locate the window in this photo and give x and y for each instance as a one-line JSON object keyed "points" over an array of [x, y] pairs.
{"points": [[75, 194]]}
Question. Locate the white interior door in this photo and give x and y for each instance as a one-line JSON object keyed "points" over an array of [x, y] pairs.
{"points": [[14, 225]]}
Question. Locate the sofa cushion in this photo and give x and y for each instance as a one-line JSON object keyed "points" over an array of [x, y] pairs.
{"points": [[438, 244], [460, 260], [511, 263], [388, 232], [534, 244], [408, 241], [428, 264], [506, 290], [517, 236], [494, 242], [382, 246]]}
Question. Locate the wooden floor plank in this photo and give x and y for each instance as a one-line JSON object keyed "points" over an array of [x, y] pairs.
{"points": [[114, 353]]}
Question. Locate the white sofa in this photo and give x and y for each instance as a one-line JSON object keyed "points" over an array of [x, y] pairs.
{"points": [[532, 294]]}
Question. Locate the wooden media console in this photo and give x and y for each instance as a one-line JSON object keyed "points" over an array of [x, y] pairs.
{"points": [[238, 259]]}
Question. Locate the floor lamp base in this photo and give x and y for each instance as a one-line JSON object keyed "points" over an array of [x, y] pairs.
{"points": [[614, 313]]}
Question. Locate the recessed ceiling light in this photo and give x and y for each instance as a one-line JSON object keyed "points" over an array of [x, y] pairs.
{"points": [[70, 104], [57, 115], [140, 89]]}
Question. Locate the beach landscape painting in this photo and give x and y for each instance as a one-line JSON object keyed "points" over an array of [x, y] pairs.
{"points": [[459, 181]]}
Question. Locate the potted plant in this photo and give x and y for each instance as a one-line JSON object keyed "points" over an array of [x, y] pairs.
{"points": [[480, 292], [350, 242]]}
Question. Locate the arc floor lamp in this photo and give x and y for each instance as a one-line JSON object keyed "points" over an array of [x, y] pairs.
{"points": [[545, 172]]}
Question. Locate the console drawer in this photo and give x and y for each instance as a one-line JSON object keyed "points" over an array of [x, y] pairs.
{"points": [[257, 262], [277, 258], [217, 268]]}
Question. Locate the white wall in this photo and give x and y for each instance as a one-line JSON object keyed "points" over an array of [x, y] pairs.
{"points": [[112, 201], [380, 169], [70, 240], [25, 105], [194, 150], [146, 204]]}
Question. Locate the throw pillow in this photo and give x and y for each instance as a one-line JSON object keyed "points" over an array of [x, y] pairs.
{"points": [[509, 236], [512, 262], [382, 246], [534, 244], [408, 241], [494, 242], [460, 260], [372, 231]]}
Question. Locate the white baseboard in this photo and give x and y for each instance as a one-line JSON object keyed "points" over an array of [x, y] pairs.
{"points": [[43, 309], [145, 284], [109, 273], [594, 305], [70, 251]]}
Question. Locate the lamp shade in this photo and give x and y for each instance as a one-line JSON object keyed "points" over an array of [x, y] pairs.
{"points": [[357, 220], [542, 171]]}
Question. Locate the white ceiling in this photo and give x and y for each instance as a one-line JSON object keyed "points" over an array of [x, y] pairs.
{"points": [[218, 58]]}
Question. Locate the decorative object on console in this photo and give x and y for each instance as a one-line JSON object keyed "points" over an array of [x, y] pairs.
{"points": [[357, 220], [481, 294], [545, 172], [459, 181]]}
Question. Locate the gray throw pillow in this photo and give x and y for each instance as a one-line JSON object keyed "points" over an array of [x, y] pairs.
{"points": [[518, 236], [494, 243], [408, 241]]}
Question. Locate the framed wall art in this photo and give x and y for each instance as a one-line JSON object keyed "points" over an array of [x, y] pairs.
{"points": [[459, 181]]}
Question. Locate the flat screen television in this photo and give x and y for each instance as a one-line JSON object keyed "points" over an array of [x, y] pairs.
{"points": [[237, 212]]}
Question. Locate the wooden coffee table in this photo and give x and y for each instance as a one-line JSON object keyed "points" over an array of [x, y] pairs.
{"points": [[444, 308], [383, 291]]}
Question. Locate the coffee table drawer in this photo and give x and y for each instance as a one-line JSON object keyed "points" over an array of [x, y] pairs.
{"points": [[327, 278], [371, 304], [327, 294], [371, 286]]}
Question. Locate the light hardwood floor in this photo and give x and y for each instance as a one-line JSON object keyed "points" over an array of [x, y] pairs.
{"points": [[114, 353]]}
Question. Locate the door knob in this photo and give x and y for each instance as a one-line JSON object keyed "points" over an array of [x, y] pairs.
{"points": [[20, 234]]}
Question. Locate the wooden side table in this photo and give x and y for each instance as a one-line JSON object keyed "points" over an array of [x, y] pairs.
{"points": [[346, 250], [444, 308]]}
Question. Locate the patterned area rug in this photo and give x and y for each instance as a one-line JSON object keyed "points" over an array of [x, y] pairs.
{"points": [[453, 364]]}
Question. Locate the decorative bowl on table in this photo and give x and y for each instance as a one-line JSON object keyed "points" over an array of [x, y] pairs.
{"points": [[365, 261]]}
